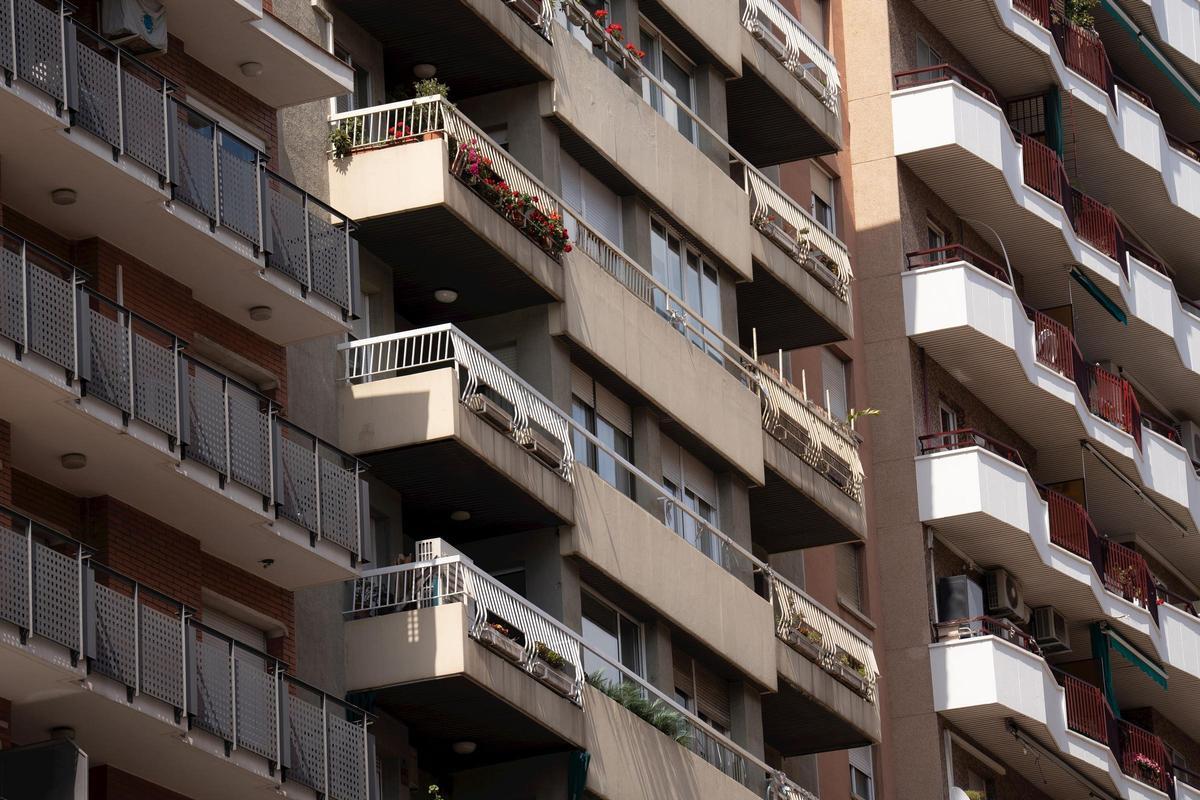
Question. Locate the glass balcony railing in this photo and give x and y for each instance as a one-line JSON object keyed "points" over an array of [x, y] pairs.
{"points": [[143, 370], [52, 589], [103, 89]]}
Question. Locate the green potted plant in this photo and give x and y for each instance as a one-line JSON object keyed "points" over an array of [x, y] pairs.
{"points": [[802, 637], [343, 135], [851, 672], [655, 712], [549, 667]]}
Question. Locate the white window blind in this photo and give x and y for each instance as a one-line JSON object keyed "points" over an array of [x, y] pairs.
{"points": [[606, 404], [583, 191], [236, 629]]}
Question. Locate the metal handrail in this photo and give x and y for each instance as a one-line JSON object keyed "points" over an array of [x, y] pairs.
{"points": [[107, 619], [797, 46], [938, 73], [968, 627], [456, 588], [116, 381], [948, 254], [797, 613], [964, 438]]}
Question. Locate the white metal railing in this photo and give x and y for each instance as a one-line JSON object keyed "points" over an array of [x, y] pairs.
{"points": [[446, 344], [456, 579], [412, 120], [800, 53], [796, 612], [832, 249]]}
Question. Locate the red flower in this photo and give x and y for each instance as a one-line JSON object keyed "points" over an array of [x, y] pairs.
{"points": [[567, 248], [600, 14], [634, 51], [614, 30]]}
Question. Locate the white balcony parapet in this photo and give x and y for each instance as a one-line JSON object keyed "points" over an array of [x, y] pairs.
{"points": [[455, 579], [832, 448], [797, 50]]}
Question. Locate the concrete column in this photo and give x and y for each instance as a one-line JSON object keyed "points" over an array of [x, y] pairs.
{"points": [[532, 139], [733, 503], [659, 664], [745, 716], [647, 456], [635, 224], [711, 107]]}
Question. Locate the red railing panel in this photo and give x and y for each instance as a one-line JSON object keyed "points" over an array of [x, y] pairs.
{"points": [[1043, 168], [1054, 343], [1127, 574], [1088, 711], [1097, 225], [1037, 10], [1084, 53], [1144, 757], [1071, 527], [1113, 400]]}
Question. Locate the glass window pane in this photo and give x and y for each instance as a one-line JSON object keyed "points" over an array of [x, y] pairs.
{"points": [[679, 80], [585, 451], [658, 262], [674, 279], [631, 645], [600, 634], [606, 466]]}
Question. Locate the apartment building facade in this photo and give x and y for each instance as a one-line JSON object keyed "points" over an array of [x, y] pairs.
{"points": [[1022, 206], [444, 399]]}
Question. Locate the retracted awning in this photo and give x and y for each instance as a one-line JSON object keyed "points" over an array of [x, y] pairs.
{"points": [[1134, 656], [1100, 297]]}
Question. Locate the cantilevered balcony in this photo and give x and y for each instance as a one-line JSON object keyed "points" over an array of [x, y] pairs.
{"points": [[827, 696], [1129, 156], [446, 423], [163, 181], [991, 682], [165, 433], [1027, 370], [439, 639], [149, 689], [227, 34], [1170, 25], [980, 498], [788, 78], [950, 132]]}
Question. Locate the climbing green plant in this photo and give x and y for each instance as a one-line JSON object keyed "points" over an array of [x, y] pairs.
{"points": [[1082, 12]]}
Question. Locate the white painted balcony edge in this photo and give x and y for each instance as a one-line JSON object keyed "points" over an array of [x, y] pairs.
{"points": [[1149, 295], [977, 480], [988, 671], [1136, 129], [1176, 23], [958, 295]]}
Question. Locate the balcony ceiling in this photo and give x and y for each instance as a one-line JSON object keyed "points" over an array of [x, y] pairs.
{"points": [[432, 249], [442, 33], [794, 723], [781, 317], [785, 518], [765, 128], [441, 477], [441, 712]]}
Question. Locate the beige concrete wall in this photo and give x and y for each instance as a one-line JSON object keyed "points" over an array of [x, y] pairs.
{"points": [[392, 179], [824, 689], [603, 110], [630, 338], [796, 278], [632, 547], [432, 643], [631, 760], [815, 486], [716, 23]]}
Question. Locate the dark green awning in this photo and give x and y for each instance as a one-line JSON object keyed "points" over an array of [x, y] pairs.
{"points": [[1100, 297]]}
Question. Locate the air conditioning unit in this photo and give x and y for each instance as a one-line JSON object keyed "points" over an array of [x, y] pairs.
{"points": [[1189, 435], [429, 549], [1004, 596], [139, 25], [1050, 630]]}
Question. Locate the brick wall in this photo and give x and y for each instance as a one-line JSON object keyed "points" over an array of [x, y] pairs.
{"points": [[48, 504], [169, 303], [251, 590], [934, 384], [109, 783], [189, 73]]}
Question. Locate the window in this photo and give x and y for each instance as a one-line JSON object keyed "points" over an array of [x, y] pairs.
{"points": [[935, 236], [609, 419], [833, 383], [600, 206], [926, 55], [850, 576], [694, 487], [613, 634], [705, 694], [812, 18], [674, 70], [513, 578], [361, 96], [687, 275], [824, 197], [862, 774], [947, 417]]}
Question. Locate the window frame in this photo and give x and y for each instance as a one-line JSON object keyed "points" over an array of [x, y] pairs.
{"points": [[621, 614], [831, 204], [659, 46]]}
